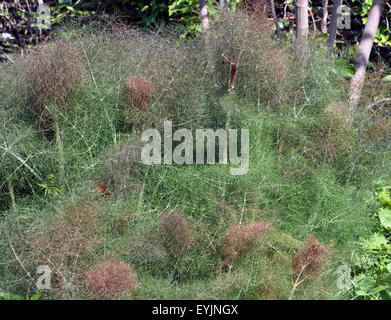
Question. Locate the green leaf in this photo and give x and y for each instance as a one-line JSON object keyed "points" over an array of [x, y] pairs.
{"points": [[384, 196], [376, 242], [385, 218], [363, 284], [36, 296], [387, 78], [324, 36], [345, 69], [9, 296], [378, 289]]}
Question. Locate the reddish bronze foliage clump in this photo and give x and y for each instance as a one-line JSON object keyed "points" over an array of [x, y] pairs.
{"points": [[311, 259], [101, 188], [177, 233], [138, 92], [240, 239], [110, 279], [52, 72], [233, 71]]}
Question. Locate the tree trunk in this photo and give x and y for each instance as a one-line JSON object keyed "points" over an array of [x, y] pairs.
{"points": [[301, 24], [333, 25], [204, 16], [223, 5], [366, 43], [278, 29], [325, 15]]}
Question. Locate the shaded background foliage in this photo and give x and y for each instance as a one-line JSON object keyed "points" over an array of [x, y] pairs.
{"points": [[18, 18]]}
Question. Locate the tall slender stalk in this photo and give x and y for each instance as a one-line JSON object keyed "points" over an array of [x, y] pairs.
{"points": [[233, 72], [225, 156], [60, 150], [298, 282], [12, 193]]}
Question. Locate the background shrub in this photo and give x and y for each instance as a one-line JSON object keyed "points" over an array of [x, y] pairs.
{"points": [[52, 73], [110, 279], [176, 232], [240, 239], [311, 259]]}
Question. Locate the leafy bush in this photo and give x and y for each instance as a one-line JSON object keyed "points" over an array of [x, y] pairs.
{"points": [[372, 269]]}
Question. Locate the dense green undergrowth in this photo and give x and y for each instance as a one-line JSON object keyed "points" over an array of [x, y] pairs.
{"points": [[73, 194]]}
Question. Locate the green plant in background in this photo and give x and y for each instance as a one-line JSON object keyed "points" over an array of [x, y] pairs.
{"points": [[140, 12], [49, 187], [344, 68], [150, 11], [66, 9], [373, 269], [186, 14], [383, 37], [11, 296]]}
